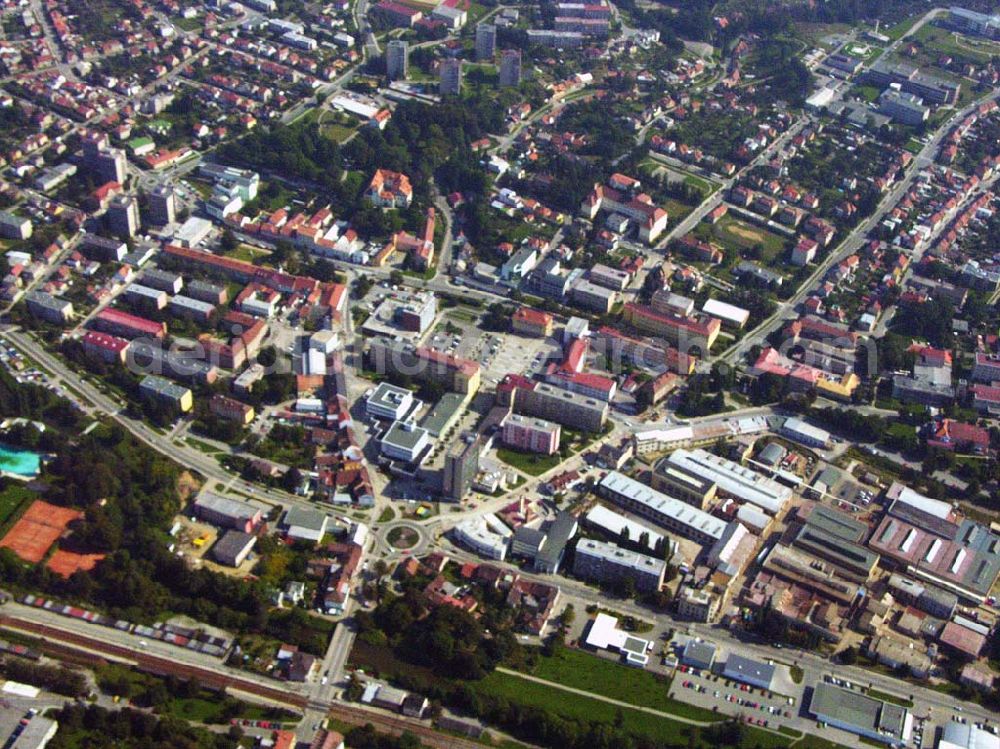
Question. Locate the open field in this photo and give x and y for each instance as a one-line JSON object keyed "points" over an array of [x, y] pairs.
{"points": [[575, 706], [736, 234], [899, 30], [247, 254], [945, 42], [822, 34], [581, 670]]}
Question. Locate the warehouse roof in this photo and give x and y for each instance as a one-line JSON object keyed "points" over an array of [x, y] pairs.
{"points": [[836, 523]]}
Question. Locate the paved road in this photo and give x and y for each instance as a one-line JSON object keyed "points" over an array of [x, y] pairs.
{"points": [[850, 244], [96, 402]]}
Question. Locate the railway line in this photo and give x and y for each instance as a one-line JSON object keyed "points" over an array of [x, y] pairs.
{"points": [[85, 650]]}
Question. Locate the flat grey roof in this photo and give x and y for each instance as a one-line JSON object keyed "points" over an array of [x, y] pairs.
{"points": [[232, 543], [741, 668], [443, 412], [405, 438], [836, 524], [305, 517], [856, 709], [700, 651], [559, 533]]}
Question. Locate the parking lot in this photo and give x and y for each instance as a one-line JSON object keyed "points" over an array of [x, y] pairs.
{"points": [[850, 493], [522, 355], [714, 692]]}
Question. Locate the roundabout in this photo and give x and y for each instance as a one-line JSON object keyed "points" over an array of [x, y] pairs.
{"points": [[402, 538]]}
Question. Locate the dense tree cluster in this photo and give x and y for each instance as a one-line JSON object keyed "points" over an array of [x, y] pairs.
{"points": [[31, 401], [93, 727], [128, 493], [786, 77], [929, 321], [366, 737], [299, 150], [448, 640], [64, 681]]}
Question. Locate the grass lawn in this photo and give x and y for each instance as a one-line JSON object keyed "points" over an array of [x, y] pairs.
{"points": [[914, 146], [868, 93], [887, 697], [812, 741], [203, 446], [581, 670], [190, 24], [195, 709], [532, 464], [815, 33], [901, 431], [677, 210], [274, 195], [463, 314], [209, 709], [900, 29], [12, 498], [649, 167], [337, 132], [588, 710], [936, 39], [387, 514], [706, 187], [427, 275]]}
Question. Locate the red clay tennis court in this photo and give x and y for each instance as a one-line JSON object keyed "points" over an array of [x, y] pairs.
{"points": [[38, 528], [65, 563]]}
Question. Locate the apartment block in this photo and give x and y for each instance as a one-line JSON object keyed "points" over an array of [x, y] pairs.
{"points": [[607, 563], [531, 434]]}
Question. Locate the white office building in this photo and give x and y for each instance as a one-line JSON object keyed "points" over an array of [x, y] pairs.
{"points": [[389, 402], [405, 441], [484, 535]]}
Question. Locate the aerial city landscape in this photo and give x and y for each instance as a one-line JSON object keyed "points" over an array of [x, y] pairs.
{"points": [[391, 374]]}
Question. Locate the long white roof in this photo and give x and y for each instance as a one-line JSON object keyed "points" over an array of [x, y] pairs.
{"points": [[662, 504], [725, 311], [734, 479], [614, 522], [908, 496]]}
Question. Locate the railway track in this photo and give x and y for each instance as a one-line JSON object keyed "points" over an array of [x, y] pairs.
{"points": [[397, 726], [212, 678], [83, 649]]}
